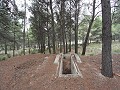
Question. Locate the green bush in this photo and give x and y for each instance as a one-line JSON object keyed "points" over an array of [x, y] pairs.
{"points": [[34, 51], [21, 52], [4, 58], [91, 54], [117, 51]]}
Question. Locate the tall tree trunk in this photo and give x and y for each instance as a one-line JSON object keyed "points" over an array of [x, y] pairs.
{"points": [[58, 45], [119, 38], [53, 31], [5, 47], [17, 45], [63, 22], [106, 39], [60, 41], [39, 47], [70, 30], [70, 41], [76, 24], [24, 29], [28, 43], [14, 39], [48, 32], [49, 47], [66, 43], [44, 43], [89, 29], [61, 46], [39, 37]]}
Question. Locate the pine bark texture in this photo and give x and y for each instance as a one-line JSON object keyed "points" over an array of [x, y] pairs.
{"points": [[76, 25], [106, 39]]}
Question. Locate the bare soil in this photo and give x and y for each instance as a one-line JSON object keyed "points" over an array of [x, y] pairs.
{"points": [[35, 72]]}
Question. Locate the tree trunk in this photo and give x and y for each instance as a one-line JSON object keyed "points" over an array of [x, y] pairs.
{"points": [[14, 39], [18, 47], [58, 45], [53, 31], [106, 39], [39, 48], [61, 40], [63, 22], [10, 47], [66, 43], [39, 37], [5, 47], [70, 30], [89, 29], [61, 46], [24, 29], [48, 32], [44, 43], [119, 38], [76, 25], [49, 47], [28, 43], [70, 41]]}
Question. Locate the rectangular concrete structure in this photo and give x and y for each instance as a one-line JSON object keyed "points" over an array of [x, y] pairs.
{"points": [[75, 72]]}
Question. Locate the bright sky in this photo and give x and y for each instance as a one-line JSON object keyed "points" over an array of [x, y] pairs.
{"points": [[20, 4]]}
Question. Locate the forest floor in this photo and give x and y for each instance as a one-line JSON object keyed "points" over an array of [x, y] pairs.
{"points": [[38, 72]]}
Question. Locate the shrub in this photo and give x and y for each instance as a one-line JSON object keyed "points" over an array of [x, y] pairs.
{"points": [[116, 51], [33, 51], [91, 54], [21, 52], [4, 58]]}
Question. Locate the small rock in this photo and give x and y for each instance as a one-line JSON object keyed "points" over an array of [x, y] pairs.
{"points": [[65, 87]]}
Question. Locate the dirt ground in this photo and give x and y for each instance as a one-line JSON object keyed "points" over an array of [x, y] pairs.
{"points": [[38, 72]]}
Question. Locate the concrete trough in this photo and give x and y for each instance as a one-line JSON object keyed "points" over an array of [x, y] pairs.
{"points": [[71, 66]]}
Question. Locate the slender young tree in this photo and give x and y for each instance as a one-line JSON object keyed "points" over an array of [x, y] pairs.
{"points": [[14, 37], [5, 47], [48, 30], [24, 29], [89, 29], [63, 22], [14, 27], [28, 39], [53, 30], [106, 39], [70, 28]]}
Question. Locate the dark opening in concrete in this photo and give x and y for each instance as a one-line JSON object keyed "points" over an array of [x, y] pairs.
{"points": [[66, 66]]}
